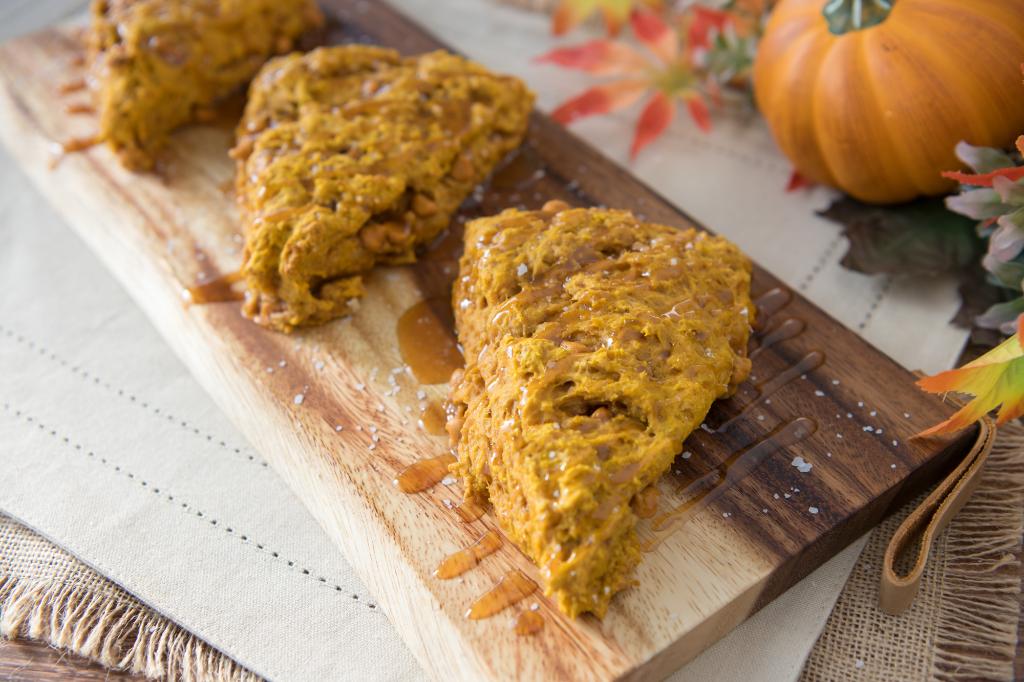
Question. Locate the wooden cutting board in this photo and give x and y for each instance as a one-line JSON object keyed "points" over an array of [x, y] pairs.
{"points": [[738, 522]]}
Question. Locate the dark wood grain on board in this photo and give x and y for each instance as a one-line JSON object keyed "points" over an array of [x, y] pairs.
{"points": [[743, 541]]}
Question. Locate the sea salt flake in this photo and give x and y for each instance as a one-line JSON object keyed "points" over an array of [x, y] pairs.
{"points": [[895, 443], [858, 664], [522, 269], [339, 428], [801, 465], [819, 393], [687, 454], [448, 480], [298, 398], [906, 415], [813, 510], [873, 413], [835, 382], [892, 466]]}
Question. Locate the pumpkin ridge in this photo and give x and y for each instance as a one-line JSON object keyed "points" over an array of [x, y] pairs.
{"points": [[984, 96], [796, 58], [881, 103], [868, 171]]}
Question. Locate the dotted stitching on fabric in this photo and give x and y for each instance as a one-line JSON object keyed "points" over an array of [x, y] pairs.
{"points": [[820, 264], [749, 159], [122, 393], [879, 297], [183, 507]]}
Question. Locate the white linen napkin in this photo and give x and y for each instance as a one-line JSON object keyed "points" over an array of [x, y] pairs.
{"points": [[110, 449]]}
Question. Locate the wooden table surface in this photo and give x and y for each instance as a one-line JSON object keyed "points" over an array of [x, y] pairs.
{"points": [[26, 660]]}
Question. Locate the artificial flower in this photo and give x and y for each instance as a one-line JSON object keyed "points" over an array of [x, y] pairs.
{"points": [[670, 77], [996, 379], [993, 194], [571, 13]]}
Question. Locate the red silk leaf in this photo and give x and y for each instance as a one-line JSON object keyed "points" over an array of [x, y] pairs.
{"points": [[654, 119]]}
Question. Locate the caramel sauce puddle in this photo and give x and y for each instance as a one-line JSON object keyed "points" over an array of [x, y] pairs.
{"points": [[427, 343]]}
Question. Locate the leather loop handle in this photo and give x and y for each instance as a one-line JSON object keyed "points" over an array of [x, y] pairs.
{"points": [[896, 592]]}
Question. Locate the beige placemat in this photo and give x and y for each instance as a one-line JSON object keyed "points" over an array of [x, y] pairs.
{"points": [[963, 625]]}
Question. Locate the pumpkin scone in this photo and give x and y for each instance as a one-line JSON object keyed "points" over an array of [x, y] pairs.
{"points": [[595, 343], [156, 65], [352, 156]]}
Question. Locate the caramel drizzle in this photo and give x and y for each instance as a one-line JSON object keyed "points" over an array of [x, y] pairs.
{"points": [[645, 504], [216, 291], [513, 587], [469, 511], [79, 108], [78, 144], [768, 387], [433, 419], [772, 301], [457, 563], [529, 623], [76, 85], [423, 474], [713, 484], [789, 328]]}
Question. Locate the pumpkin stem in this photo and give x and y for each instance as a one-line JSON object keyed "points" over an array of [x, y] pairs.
{"points": [[844, 16]]}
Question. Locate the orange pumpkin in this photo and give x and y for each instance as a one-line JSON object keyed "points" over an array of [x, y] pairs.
{"points": [[871, 96]]}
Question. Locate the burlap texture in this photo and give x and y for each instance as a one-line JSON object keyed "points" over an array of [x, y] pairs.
{"points": [[48, 595], [963, 624]]}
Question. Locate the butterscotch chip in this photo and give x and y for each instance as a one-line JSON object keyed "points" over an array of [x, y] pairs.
{"points": [[159, 64], [595, 343], [352, 156]]}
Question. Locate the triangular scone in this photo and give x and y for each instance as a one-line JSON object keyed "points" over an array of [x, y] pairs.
{"points": [[595, 343], [352, 156], [158, 64]]}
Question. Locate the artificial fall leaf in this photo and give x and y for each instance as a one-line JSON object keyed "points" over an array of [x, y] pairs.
{"points": [[1011, 173], [918, 238], [702, 22], [996, 379], [977, 297], [797, 181], [571, 13], [669, 77]]}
